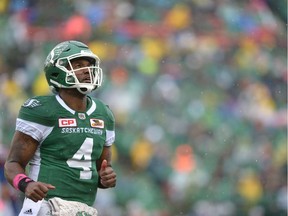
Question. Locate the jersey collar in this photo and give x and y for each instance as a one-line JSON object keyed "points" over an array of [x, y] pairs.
{"points": [[90, 110]]}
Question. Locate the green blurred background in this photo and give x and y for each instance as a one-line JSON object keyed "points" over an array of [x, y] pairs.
{"points": [[198, 89]]}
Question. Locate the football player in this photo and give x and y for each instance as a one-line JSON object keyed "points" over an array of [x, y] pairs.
{"points": [[63, 141]]}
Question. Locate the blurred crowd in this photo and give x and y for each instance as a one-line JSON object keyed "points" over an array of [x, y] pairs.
{"points": [[198, 89]]}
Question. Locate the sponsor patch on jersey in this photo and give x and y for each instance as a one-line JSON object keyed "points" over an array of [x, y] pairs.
{"points": [[67, 122], [97, 123], [31, 103]]}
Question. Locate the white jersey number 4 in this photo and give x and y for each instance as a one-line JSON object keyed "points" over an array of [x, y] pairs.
{"points": [[82, 159]]}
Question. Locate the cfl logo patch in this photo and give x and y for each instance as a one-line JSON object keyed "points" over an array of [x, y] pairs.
{"points": [[97, 123], [67, 122]]}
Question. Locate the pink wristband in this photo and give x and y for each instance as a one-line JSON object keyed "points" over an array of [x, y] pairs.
{"points": [[17, 179]]}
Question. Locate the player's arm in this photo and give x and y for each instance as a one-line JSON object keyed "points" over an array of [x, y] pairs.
{"points": [[22, 150], [107, 176]]}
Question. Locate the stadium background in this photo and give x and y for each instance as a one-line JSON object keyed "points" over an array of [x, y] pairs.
{"points": [[198, 89]]}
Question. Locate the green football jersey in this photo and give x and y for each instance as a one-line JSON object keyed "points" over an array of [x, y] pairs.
{"points": [[70, 142]]}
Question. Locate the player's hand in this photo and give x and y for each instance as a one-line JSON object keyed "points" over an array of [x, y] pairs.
{"points": [[37, 190], [107, 175]]}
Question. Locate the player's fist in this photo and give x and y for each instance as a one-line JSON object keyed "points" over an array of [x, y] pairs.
{"points": [[107, 175], [37, 190]]}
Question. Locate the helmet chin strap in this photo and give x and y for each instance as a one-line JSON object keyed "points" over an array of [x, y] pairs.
{"points": [[85, 89]]}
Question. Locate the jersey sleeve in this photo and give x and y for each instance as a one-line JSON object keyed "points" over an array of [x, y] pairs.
{"points": [[33, 119], [36, 131], [110, 131], [110, 119], [36, 110]]}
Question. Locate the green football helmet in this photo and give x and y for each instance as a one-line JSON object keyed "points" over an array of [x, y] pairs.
{"points": [[59, 59]]}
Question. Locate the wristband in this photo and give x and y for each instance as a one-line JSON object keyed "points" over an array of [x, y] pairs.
{"points": [[17, 179], [21, 181], [23, 184]]}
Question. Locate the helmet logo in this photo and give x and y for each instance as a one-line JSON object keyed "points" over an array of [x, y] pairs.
{"points": [[56, 52], [59, 49]]}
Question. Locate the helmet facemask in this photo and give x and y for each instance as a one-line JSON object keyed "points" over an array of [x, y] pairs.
{"points": [[93, 73]]}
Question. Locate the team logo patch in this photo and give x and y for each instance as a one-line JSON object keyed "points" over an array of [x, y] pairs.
{"points": [[67, 122], [32, 103], [81, 116], [97, 123]]}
